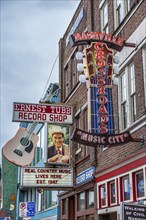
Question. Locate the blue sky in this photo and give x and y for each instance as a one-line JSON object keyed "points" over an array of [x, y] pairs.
{"points": [[30, 32]]}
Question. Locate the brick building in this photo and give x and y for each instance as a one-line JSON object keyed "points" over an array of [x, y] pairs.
{"points": [[119, 172]]}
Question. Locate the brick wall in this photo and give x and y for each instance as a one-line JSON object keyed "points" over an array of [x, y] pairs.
{"points": [[113, 154]]}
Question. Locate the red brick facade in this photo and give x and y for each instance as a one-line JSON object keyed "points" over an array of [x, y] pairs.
{"points": [[75, 94]]}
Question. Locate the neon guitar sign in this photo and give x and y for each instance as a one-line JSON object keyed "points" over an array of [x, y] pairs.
{"points": [[98, 69]]}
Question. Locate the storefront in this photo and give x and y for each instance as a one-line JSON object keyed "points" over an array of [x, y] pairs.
{"points": [[122, 182], [80, 203]]}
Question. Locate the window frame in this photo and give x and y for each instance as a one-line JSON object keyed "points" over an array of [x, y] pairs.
{"points": [[128, 113], [79, 208], [87, 198], [123, 101], [104, 17], [74, 70], [105, 195], [78, 146], [121, 9], [66, 72], [137, 173], [85, 128], [132, 94], [123, 188], [110, 193]]}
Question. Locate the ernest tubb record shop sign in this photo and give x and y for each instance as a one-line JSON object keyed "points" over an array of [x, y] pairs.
{"points": [[26, 112]]}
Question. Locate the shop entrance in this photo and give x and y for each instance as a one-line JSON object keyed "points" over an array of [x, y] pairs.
{"points": [[110, 216], [71, 206]]}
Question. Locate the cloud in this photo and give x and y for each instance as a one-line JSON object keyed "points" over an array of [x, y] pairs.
{"points": [[30, 32]]}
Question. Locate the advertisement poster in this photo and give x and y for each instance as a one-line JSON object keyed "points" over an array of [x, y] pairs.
{"points": [[58, 146]]}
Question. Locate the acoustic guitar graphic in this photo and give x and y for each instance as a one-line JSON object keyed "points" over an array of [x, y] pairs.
{"points": [[21, 148]]}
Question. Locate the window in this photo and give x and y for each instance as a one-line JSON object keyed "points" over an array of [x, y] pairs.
{"points": [[54, 197], [126, 188], [74, 71], [118, 12], [85, 128], [121, 9], [123, 101], [127, 97], [90, 198], [103, 195], [66, 80], [81, 201], [104, 17], [139, 184], [132, 93], [79, 150], [112, 193]]}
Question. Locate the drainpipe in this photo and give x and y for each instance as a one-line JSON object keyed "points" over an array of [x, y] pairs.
{"points": [[92, 29], [92, 15]]}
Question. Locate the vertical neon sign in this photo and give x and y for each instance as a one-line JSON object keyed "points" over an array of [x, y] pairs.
{"points": [[99, 61]]}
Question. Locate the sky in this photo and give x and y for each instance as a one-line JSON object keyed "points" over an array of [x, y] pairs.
{"points": [[30, 32]]}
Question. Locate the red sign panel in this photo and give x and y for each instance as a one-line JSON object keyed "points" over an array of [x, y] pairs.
{"points": [[61, 114]]}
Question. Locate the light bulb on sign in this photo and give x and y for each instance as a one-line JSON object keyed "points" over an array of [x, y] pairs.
{"points": [[82, 78], [79, 55], [116, 70], [116, 59], [80, 67]]}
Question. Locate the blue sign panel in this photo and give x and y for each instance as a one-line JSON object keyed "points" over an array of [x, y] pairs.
{"points": [[6, 218], [85, 176], [30, 209]]}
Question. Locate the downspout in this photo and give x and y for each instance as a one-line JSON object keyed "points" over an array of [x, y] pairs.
{"points": [[92, 15], [92, 29]]}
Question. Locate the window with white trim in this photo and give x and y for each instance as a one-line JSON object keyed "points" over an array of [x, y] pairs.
{"points": [[126, 188], [112, 188], [127, 97], [103, 195], [121, 8], [132, 93], [104, 17], [139, 179], [123, 101]]}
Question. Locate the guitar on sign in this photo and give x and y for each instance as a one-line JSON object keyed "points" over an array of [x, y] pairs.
{"points": [[21, 148]]}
